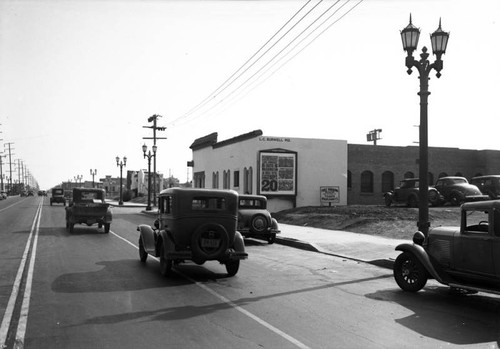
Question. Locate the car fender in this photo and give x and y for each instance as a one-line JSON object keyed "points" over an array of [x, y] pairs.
{"points": [[147, 235], [239, 243], [419, 252], [274, 226]]}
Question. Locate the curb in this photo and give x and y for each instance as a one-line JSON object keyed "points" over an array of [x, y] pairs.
{"points": [[291, 242]]}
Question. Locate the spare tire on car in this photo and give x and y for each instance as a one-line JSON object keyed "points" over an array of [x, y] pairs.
{"points": [[210, 241]]}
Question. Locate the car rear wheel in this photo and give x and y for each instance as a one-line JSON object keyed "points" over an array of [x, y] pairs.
{"points": [[456, 199], [409, 273], [232, 267], [271, 239], [165, 264], [433, 198], [143, 255], [258, 224]]}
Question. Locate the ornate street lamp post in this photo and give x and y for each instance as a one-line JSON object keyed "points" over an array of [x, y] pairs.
{"points": [[439, 41], [149, 156], [121, 164], [78, 179], [93, 173]]}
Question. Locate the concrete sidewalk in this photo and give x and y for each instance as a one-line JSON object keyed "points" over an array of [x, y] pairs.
{"points": [[359, 247]]}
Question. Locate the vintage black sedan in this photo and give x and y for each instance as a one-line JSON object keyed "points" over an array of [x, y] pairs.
{"points": [[463, 257], [254, 220], [194, 224]]}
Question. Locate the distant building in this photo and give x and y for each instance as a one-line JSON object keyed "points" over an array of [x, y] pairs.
{"points": [[293, 172], [290, 172], [374, 170]]}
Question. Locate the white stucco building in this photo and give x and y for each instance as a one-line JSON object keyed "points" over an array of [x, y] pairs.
{"points": [[290, 172]]}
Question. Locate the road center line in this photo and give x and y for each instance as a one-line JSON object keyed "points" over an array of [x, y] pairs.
{"points": [[9, 311], [267, 325], [23, 317]]}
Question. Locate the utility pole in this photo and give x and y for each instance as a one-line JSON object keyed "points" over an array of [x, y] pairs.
{"points": [[1, 173], [10, 165], [154, 119]]}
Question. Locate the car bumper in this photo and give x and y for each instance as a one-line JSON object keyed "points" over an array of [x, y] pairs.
{"points": [[472, 198]]}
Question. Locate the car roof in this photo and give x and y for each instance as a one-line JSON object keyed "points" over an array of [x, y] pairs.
{"points": [[486, 176], [481, 205], [201, 191], [249, 197]]}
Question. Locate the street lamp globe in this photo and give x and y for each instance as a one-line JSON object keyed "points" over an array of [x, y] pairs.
{"points": [[144, 149], [439, 41], [409, 36], [125, 160], [154, 148], [117, 161]]}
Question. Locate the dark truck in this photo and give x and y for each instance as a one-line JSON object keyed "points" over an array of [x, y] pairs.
{"points": [[57, 196], [88, 207]]}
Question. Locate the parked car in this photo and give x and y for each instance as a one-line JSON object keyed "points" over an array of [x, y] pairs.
{"points": [[42, 193], [457, 190], [489, 185], [407, 193], [57, 196], [254, 220], [463, 257], [88, 207], [197, 225]]}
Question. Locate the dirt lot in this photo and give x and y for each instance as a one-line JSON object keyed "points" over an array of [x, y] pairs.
{"points": [[391, 222]]}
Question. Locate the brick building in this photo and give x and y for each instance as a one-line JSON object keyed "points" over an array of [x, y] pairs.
{"points": [[373, 170]]}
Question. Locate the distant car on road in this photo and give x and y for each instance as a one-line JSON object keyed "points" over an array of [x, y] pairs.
{"points": [[3, 195], [407, 193], [463, 257], [254, 220], [57, 196], [197, 225], [489, 185], [88, 207], [457, 190]]}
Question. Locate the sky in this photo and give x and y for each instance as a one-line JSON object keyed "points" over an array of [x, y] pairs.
{"points": [[79, 79]]}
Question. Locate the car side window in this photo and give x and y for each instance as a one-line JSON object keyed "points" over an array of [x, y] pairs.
{"points": [[476, 222], [165, 204]]}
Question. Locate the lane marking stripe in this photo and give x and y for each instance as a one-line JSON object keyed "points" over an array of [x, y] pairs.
{"points": [[7, 318], [267, 325], [23, 317]]}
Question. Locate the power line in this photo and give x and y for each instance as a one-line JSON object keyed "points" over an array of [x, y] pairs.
{"points": [[225, 84], [246, 84]]}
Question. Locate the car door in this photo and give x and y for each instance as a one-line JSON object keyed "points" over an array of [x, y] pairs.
{"points": [[476, 245]]}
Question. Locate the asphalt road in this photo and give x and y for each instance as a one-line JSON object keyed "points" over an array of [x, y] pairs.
{"points": [[89, 290]]}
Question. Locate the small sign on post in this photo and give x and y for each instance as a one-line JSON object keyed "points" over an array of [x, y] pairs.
{"points": [[329, 195]]}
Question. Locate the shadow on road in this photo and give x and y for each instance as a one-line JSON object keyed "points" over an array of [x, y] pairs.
{"points": [[438, 314]]}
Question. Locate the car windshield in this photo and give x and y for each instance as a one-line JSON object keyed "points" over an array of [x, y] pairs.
{"points": [[251, 203], [214, 203], [456, 181]]}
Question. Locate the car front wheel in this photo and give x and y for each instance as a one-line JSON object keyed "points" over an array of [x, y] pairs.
{"points": [[232, 267], [409, 273], [143, 255]]}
